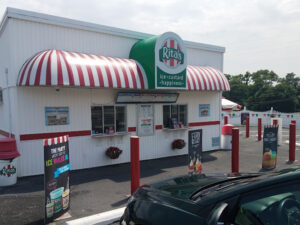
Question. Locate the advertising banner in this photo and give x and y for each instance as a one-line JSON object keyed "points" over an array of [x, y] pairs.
{"points": [[244, 117], [195, 151], [57, 167], [270, 140]]}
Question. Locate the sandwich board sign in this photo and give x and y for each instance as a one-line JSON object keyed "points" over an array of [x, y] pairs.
{"points": [[195, 152]]}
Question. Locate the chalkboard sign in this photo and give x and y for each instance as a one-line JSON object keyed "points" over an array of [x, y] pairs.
{"points": [[57, 167], [270, 140], [195, 152]]}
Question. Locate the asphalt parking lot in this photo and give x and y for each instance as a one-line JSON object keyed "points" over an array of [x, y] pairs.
{"points": [[101, 189]]}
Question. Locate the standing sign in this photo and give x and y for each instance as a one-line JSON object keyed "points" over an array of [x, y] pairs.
{"points": [[195, 151], [145, 120], [57, 167], [270, 140]]}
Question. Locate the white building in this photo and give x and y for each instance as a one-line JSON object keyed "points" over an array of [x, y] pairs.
{"points": [[61, 76]]}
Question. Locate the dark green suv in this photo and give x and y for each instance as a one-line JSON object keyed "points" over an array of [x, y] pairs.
{"points": [[241, 199]]}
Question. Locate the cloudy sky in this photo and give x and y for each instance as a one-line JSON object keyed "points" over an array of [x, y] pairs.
{"points": [[257, 34]]}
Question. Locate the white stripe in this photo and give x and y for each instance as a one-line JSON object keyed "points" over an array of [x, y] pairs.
{"points": [[210, 79], [190, 80], [125, 65], [49, 141], [54, 68], [101, 63], [84, 71], [26, 71], [144, 75], [95, 76], [169, 46], [197, 74], [226, 84], [220, 78], [65, 73], [119, 68], [34, 70], [61, 140], [55, 140], [204, 79], [112, 72], [44, 69], [195, 79], [216, 76], [137, 78], [74, 69]]}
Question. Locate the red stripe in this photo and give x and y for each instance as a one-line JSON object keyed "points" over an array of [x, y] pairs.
{"points": [[26, 137], [48, 70], [110, 82], [69, 69], [208, 77], [215, 75], [45, 142], [172, 46], [60, 80], [140, 76], [116, 72], [23, 73], [222, 77], [130, 63], [199, 124], [79, 71], [202, 78], [198, 79], [39, 69], [188, 80], [125, 75], [99, 73], [89, 70], [193, 80], [158, 127], [211, 76], [30, 68], [6, 134], [131, 129], [52, 141]]}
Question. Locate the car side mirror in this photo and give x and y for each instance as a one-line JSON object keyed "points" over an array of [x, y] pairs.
{"points": [[216, 213]]}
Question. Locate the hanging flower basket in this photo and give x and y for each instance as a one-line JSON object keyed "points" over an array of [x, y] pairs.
{"points": [[178, 144], [113, 152]]}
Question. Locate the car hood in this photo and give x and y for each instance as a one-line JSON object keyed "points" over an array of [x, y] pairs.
{"points": [[184, 186]]}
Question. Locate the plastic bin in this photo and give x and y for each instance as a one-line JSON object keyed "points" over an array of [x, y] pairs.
{"points": [[8, 161]]}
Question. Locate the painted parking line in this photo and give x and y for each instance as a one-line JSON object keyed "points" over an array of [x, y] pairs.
{"points": [[99, 219]]}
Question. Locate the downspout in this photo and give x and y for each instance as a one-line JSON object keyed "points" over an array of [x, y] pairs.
{"points": [[9, 105]]}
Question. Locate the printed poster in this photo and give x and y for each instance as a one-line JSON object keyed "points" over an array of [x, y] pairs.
{"points": [[57, 116], [57, 167], [145, 120], [204, 110], [270, 141], [195, 152]]}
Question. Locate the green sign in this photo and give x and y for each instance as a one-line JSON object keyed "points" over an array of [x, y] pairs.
{"points": [[8, 171]]}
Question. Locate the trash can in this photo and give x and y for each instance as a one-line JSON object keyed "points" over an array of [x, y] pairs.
{"points": [[8, 161], [226, 136]]}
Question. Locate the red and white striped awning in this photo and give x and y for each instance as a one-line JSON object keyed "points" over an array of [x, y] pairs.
{"points": [[205, 78], [62, 68]]}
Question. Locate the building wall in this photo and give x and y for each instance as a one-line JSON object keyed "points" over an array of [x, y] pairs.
{"points": [[89, 151]]}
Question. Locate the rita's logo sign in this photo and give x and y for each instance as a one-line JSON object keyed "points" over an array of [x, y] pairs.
{"points": [[170, 53], [8, 171]]}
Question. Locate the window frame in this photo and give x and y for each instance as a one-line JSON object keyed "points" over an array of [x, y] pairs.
{"points": [[178, 115], [115, 125]]}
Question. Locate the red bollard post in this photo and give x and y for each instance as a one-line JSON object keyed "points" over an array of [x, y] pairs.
{"points": [[247, 127], [293, 121], [235, 150], [259, 129], [292, 144], [225, 120], [275, 122], [135, 163]]}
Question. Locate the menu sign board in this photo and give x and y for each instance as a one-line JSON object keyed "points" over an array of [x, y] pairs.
{"points": [[134, 98], [195, 151], [57, 167], [270, 140], [145, 120], [57, 116]]}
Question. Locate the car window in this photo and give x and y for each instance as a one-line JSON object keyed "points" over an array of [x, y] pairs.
{"points": [[275, 205]]}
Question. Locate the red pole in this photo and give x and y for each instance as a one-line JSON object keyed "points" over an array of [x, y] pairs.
{"points": [[275, 122], [225, 120], [259, 129], [293, 121], [135, 163], [247, 127], [292, 145], [235, 150]]}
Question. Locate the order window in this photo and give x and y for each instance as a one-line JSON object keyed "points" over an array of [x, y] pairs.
{"points": [[175, 116], [108, 119]]}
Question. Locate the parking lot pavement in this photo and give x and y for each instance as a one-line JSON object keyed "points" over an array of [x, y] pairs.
{"points": [[101, 189]]}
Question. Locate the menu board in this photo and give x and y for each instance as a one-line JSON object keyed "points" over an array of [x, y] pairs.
{"points": [[133, 97], [57, 167], [270, 140], [195, 152], [145, 120], [57, 115]]}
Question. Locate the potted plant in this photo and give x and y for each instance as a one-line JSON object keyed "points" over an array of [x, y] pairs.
{"points": [[178, 144], [113, 152]]}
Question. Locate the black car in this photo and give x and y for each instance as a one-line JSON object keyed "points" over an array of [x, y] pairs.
{"points": [[240, 199]]}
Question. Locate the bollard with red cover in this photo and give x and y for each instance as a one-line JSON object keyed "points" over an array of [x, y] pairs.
{"points": [[292, 144], [225, 120], [135, 163], [275, 122], [247, 127], [259, 129], [293, 121], [235, 150]]}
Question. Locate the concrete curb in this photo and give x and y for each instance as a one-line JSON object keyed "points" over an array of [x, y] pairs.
{"points": [[99, 219]]}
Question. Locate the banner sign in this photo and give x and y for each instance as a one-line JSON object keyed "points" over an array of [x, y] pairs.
{"points": [[134, 98], [57, 167], [270, 141], [195, 151]]}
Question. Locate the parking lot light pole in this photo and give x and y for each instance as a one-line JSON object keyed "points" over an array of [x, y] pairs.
{"points": [[292, 144], [247, 127], [259, 129], [135, 163], [235, 150]]}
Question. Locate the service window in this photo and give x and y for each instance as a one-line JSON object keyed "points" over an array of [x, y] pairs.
{"points": [[175, 116], [108, 119]]}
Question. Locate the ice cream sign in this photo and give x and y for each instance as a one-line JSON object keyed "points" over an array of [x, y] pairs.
{"points": [[163, 58]]}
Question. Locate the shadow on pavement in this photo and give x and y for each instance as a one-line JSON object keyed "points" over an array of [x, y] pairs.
{"points": [[120, 203]]}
